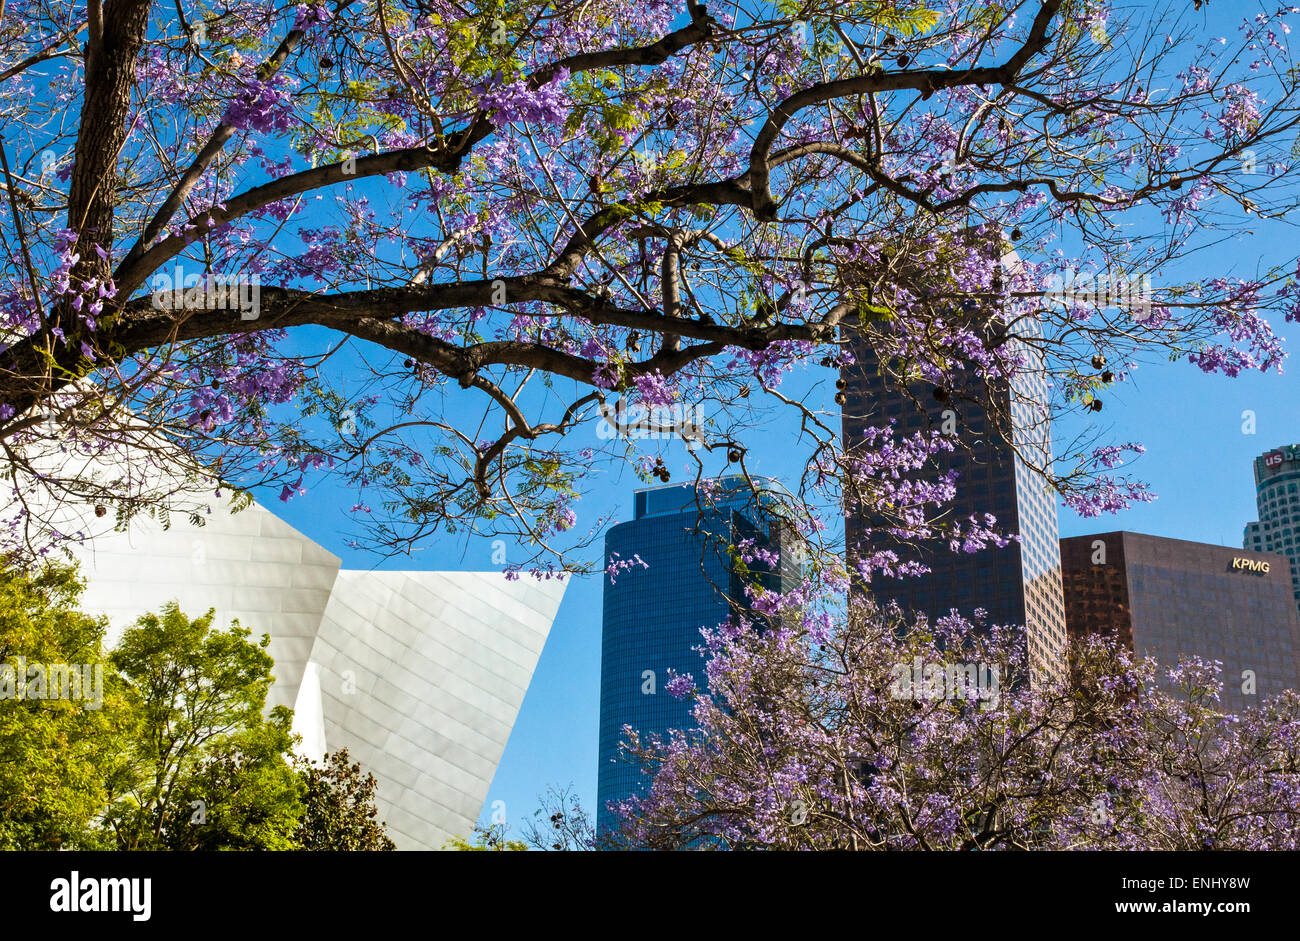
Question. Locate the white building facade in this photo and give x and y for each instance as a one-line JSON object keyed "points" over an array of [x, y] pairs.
{"points": [[420, 675]]}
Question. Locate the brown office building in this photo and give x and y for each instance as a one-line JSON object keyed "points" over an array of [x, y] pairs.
{"points": [[1166, 597]]}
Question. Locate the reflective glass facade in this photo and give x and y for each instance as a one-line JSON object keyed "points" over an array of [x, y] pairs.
{"points": [[653, 615]]}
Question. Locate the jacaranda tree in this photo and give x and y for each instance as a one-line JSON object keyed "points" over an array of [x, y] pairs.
{"points": [[417, 243], [868, 735]]}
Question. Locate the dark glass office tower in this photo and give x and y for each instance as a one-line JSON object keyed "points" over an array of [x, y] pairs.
{"points": [[1277, 496], [1166, 597], [653, 615], [1018, 584]]}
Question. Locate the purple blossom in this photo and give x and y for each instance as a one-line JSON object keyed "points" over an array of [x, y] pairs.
{"points": [[518, 101]]}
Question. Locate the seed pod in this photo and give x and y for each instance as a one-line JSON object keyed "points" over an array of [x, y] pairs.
{"points": [[100, 509], [1098, 361], [940, 394], [733, 455], [1016, 235], [1095, 405], [841, 398], [903, 61], [1108, 376], [841, 384]]}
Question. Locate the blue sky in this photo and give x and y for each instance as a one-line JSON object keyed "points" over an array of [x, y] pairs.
{"points": [[1198, 461]]}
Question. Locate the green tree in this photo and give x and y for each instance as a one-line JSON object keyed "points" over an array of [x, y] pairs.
{"points": [[54, 753], [244, 794], [207, 768], [338, 807], [175, 750]]}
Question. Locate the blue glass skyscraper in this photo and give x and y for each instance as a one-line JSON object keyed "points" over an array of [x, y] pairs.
{"points": [[653, 614]]}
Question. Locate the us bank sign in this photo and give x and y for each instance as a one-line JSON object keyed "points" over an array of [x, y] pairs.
{"points": [[1275, 459]]}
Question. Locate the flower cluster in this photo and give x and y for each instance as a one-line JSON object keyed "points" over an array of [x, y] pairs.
{"points": [[546, 104]]}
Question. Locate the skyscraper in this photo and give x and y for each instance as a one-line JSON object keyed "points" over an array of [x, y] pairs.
{"points": [[1164, 598], [653, 613], [1020, 583], [1277, 497]]}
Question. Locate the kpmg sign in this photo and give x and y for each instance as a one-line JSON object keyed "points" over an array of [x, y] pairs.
{"points": [[1251, 565]]}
